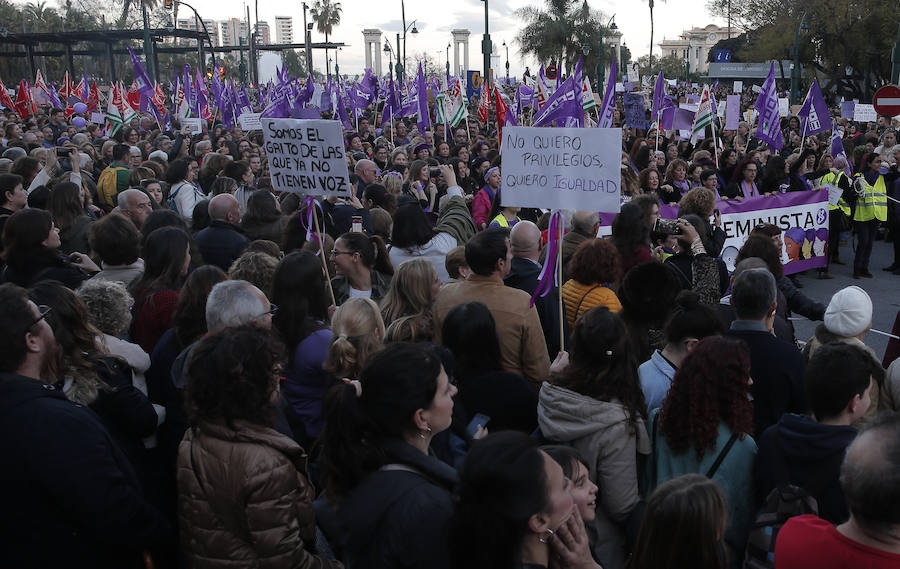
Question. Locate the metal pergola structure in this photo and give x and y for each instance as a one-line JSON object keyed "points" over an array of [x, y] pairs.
{"points": [[113, 41]]}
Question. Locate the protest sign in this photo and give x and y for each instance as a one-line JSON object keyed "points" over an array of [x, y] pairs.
{"points": [[784, 107], [834, 194], [864, 113], [732, 112], [802, 216], [620, 87], [756, 89], [306, 155], [562, 168], [635, 114], [250, 121], [847, 109], [193, 125], [720, 109], [738, 87], [98, 118]]}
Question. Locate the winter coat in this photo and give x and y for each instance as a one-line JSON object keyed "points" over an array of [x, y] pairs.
{"points": [[75, 237], [221, 243], [397, 516], [70, 496], [244, 499], [602, 433], [523, 275], [734, 475], [48, 266], [808, 454], [578, 298]]}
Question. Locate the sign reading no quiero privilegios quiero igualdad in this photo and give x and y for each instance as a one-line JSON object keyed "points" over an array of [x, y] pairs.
{"points": [[306, 156], [562, 168]]}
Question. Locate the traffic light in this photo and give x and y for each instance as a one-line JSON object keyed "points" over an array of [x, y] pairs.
{"points": [[222, 73], [168, 4]]}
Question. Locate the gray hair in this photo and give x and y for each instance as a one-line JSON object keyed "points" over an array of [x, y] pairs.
{"points": [[753, 293], [201, 146], [122, 198], [108, 305], [870, 474], [584, 221], [231, 304]]}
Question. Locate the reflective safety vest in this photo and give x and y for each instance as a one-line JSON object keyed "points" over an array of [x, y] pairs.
{"points": [[873, 203], [833, 179], [502, 221]]}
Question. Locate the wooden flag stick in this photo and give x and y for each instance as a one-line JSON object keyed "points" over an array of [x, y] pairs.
{"points": [[321, 236], [562, 314]]}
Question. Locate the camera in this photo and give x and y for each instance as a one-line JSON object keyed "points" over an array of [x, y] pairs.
{"points": [[63, 151], [434, 172], [666, 226]]}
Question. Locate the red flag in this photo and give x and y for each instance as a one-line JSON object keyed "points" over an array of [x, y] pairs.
{"points": [[5, 99], [23, 101], [499, 108], [159, 99], [67, 89], [134, 96], [484, 105], [93, 101], [80, 90]]}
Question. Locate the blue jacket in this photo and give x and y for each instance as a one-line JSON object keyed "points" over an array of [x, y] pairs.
{"points": [[221, 243], [656, 376]]}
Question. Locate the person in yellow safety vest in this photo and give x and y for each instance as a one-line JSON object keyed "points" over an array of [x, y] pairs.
{"points": [[871, 207], [503, 216], [836, 213]]}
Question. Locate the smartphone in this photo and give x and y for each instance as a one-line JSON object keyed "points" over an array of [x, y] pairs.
{"points": [[666, 226], [356, 224], [63, 152], [434, 172], [479, 420]]}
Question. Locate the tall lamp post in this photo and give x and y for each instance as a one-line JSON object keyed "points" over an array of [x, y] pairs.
{"points": [[601, 68], [795, 72], [507, 60], [212, 52], [486, 46], [895, 60], [306, 41], [401, 71], [389, 51], [448, 59], [148, 43]]}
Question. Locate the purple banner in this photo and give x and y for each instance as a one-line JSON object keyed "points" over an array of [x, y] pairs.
{"points": [[732, 112]]}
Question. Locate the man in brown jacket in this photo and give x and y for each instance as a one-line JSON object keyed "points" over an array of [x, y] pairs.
{"points": [[522, 346]]}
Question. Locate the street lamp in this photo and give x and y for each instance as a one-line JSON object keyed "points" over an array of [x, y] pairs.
{"points": [[306, 40], [601, 73], [486, 46], [401, 69], [387, 49], [448, 59], [507, 61], [212, 48], [795, 72]]}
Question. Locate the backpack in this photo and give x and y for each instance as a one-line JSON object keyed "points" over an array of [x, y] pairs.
{"points": [[781, 505], [107, 186], [170, 201]]}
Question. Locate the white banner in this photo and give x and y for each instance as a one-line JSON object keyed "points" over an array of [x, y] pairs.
{"points": [[250, 121], [193, 125], [864, 113], [562, 168], [306, 155]]}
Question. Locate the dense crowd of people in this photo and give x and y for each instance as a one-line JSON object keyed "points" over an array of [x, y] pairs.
{"points": [[193, 375]]}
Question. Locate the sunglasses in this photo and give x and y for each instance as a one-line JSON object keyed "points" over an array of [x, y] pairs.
{"points": [[43, 310]]}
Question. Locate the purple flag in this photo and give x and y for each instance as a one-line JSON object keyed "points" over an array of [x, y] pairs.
{"points": [[307, 93], [769, 124], [814, 114], [659, 96], [609, 98], [391, 104], [243, 102], [144, 84], [561, 105], [189, 94], [424, 120], [85, 88], [837, 149], [732, 112]]}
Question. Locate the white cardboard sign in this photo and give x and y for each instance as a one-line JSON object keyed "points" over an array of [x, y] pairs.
{"points": [[562, 168], [193, 125], [250, 121], [306, 156]]}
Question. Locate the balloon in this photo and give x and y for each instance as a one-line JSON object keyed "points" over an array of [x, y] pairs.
{"points": [[79, 122], [79, 107]]}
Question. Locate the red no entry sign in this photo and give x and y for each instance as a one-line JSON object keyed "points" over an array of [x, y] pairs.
{"points": [[887, 101]]}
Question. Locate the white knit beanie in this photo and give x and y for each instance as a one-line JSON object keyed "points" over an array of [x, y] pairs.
{"points": [[849, 313]]}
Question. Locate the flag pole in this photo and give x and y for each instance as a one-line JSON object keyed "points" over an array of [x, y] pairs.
{"points": [[321, 237], [803, 134], [562, 314]]}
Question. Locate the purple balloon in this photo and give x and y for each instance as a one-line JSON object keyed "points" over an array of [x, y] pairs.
{"points": [[79, 122], [79, 107]]}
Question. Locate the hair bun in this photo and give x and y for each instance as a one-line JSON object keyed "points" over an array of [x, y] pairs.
{"points": [[688, 300]]}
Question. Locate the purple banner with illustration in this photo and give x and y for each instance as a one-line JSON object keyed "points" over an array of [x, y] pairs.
{"points": [[802, 217]]}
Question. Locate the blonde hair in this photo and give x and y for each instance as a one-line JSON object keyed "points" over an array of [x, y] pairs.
{"points": [[393, 184], [410, 291], [358, 332]]}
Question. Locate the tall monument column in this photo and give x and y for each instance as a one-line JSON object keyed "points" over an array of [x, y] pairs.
{"points": [[460, 40], [372, 40]]}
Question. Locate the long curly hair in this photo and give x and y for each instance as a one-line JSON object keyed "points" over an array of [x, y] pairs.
{"points": [[596, 261], [711, 386], [601, 363]]}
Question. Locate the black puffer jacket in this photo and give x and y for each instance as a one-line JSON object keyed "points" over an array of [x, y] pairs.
{"points": [[397, 516]]}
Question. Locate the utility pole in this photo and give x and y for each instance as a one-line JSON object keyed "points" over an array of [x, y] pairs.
{"points": [[252, 40], [148, 43], [306, 40], [895, 60], [486, 46]]}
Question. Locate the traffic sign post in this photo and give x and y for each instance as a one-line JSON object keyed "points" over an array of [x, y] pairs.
{"points": [[887, 101]]}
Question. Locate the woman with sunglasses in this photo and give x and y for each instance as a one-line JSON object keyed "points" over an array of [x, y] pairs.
{"points": [[362, 266]]}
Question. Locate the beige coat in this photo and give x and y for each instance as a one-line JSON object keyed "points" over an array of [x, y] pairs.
{"points": [[522, 347]]}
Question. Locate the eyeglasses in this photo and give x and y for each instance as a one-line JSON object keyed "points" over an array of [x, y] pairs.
{"points": [[273, 309], [43, 310], [335, 252]]}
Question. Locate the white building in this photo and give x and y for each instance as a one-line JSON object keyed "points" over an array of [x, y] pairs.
{"points": [[232, 31], [693, 46], [262, 29], [284, 29]]}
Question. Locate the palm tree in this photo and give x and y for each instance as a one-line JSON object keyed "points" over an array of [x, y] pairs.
{"points": [[558, 32], [127, 4], [326, 14], [37, 12]]}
